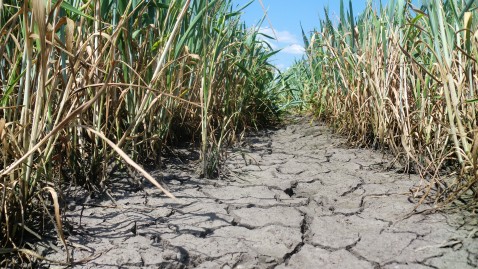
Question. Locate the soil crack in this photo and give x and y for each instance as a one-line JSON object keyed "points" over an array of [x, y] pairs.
{"points": [[324, 204], [304, 227]]}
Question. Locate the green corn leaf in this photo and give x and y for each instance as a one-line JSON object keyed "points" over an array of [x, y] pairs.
{"points": [[192, 25], [269, 55], [306, 41], [10, 89], [69, 7], [232, 14], [160, 5], [343, 18], [466, 9], [352, 25], [136, 33], [245, 6], [105, 8], [267, 36]]}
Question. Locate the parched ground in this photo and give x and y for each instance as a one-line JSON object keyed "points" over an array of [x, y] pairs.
{"points": [[294, 198]]}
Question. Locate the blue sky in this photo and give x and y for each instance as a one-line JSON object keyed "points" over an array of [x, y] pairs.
{"points": [[285, 17]]}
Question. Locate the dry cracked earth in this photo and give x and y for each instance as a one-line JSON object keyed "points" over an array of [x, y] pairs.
{"points": [[292, 198]]}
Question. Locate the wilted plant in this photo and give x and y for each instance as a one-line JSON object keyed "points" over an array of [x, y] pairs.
{"points": [[403, 77], [87, 83]]}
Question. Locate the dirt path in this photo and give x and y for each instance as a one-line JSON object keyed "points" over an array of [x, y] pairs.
{"points": [[295, 198]]}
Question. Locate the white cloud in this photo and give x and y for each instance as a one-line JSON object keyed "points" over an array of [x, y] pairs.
{"points": [[285, 40], [289, 45], [294, 49]]}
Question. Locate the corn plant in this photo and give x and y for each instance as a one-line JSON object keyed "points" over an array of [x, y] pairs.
{"points": [[88, 84], [402, 77]]}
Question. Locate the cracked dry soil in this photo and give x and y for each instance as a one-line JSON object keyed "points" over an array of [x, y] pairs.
{"points": [[293, 198]]}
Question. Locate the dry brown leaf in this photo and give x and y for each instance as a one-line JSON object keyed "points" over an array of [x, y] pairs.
{"points": [[70, 28], [2, 126], [59, 226], [129, 161]]}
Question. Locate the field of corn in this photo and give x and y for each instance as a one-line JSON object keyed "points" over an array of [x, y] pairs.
{"points": [[85, 85], [403, 78], [90, 84]]}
